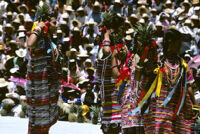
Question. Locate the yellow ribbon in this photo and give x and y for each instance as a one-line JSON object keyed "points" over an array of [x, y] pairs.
{"points": [[150, 91], [34, 25], [159, 83], [185, 65]]}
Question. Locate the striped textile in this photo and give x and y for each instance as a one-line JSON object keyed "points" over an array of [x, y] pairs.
{"points": [[43, 81], [128, 103], [162, 120], [111, 109]]}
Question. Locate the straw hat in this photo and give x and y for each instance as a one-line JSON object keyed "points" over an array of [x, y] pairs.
{"points": [[117, 1], [141, 21], [21, 52], [21, 35], [128, 38], [91, 45], [169, 11], [159, 24], [21, 29], [134, 16], [22, 6], [143, 7], [76, 29], [80, 9], [66, 39], [8, 25], [142, 2], [188, 22], [181, 17], [96, 4], [13, 42], [91, 22], [65, 16], [168, 2], [153, 10], [3, 82], [59, 31], [9, 13], [197, 8], [69, 8], [178, 11], [77, 22], [186, 2], [130, 31], [83, 54], [17, 21], [194, 17], [71, 51], [145, 15]]}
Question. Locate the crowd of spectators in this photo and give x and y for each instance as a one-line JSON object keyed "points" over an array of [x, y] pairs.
{"points": [[78, 38]]}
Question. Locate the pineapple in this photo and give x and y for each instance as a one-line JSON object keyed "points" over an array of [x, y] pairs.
{"points": [[72, 117], [80, 117], [95, 111]]}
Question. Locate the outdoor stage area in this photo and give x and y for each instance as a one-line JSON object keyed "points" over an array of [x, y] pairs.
{"points": [[16, 125]]}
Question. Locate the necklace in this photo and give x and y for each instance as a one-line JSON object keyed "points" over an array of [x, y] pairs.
{"points": [[172, 71]]}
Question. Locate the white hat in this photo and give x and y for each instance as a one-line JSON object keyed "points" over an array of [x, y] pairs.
{"points": [[91, 22], [130, 31], [188, 21], [88, 60], [63, 22], [65, 16], [14, 70], [197, 8], [83, 54], [24, 6], [91, 45], [66, 39], [9, 13], [117, 1], [145, 15], [76, 29], [59, 31], [142, 2], [97, 4], [194, 17], [186, 2], [73, 50], [159, 24], [168, 2], [72, 60], [16, 21], [80, 9], [141, 21], [153, 10], [134, 15], [128, 37], [69, 8], [21, 35], [21, 52], [21, 28], [3, 82]]}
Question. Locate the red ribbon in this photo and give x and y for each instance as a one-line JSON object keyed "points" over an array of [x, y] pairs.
{"points": [[124, 73], [104, 28], [46, 27]]}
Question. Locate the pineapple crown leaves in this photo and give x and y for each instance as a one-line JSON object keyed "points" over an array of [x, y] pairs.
{"points": [[108, 19], [95, 110], [73, 109], [144, 34], [43, 12]]}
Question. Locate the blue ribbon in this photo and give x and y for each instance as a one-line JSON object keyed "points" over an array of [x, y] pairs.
{"points": [[121, 90], [184, 93], [168, 98]]}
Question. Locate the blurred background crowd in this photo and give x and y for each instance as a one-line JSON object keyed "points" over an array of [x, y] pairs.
{"points": [[78, 38]]}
